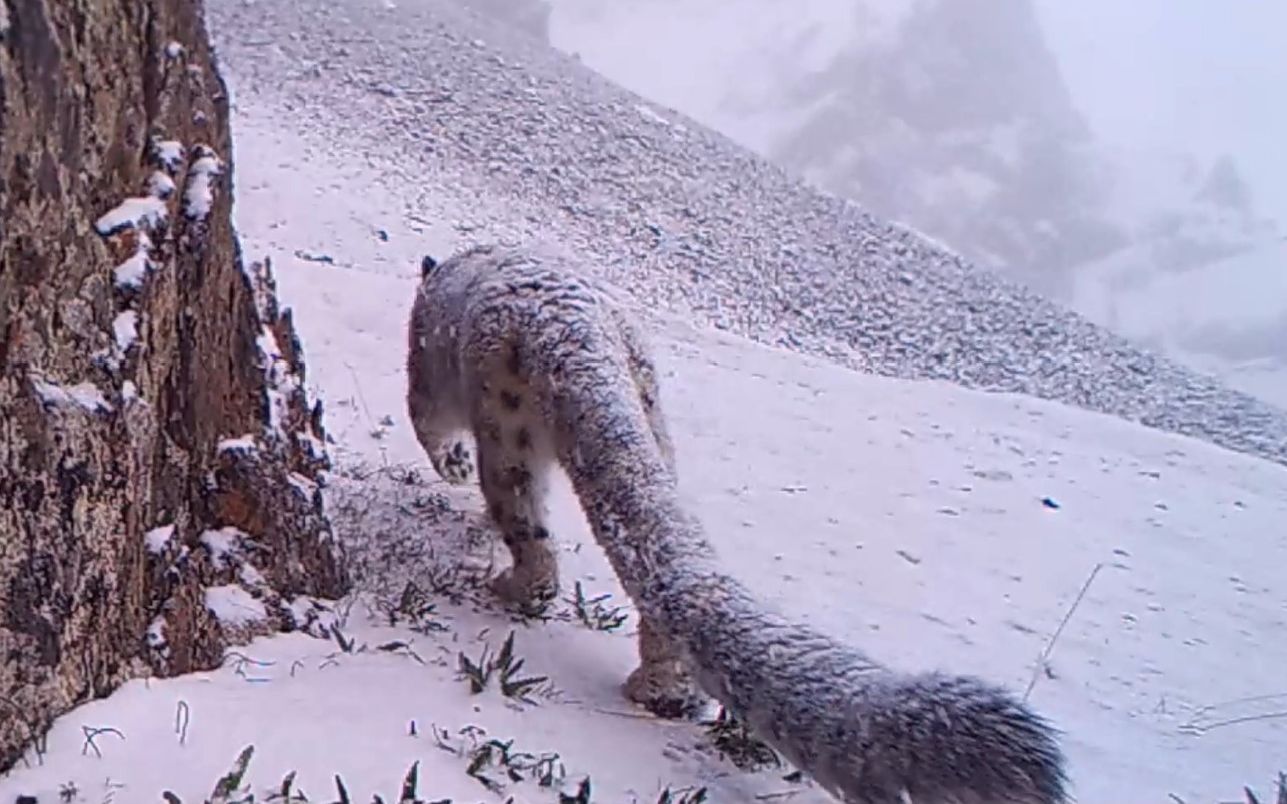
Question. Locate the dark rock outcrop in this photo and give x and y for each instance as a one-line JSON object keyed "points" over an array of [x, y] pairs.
{"points": [[158, 458]]}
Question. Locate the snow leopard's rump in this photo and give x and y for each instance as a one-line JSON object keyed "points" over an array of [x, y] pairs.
{"points": [[528, 327]]}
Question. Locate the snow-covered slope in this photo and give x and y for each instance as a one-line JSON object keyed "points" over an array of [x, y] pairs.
{"points": [[930, 525], [524, 144], [950, 116]]}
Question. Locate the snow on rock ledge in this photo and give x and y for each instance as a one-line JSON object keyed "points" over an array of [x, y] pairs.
{"points": [[130, 274], [143, 212], [168, 154], [198, 198], [234, 606], [83, 395], [113, 415], [157, 540]]}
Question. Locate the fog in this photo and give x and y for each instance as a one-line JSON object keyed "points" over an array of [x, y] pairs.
{"points": [[1125, 159], [1187, 75]]}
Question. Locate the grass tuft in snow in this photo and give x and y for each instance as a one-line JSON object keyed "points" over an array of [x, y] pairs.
{"points": [[735, 742], [1043, 665], [481, 672], [686, 795], [1282, 791], [232, 788], [228, 785], [91, 735], [594, 614], [349, 645], [495, 764], [1252, 798], [37, 733], [413, 609], [581, 796]]}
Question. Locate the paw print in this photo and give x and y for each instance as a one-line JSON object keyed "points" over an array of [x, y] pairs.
{"points": [[455, 465]]}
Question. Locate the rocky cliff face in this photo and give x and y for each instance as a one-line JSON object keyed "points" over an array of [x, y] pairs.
{"points": [[961, 126], [158, 459]]}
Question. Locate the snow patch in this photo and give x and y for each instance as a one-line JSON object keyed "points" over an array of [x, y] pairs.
{"points": [[169, 153], [306, 487], [156, 638], [311, 615], [160, 185], [199, 197], [648, 114], [158, 539], [268, 347], [173, 50], [132, 272], [277, 380], [132, 213], [223, 544], [312, 445], [245, 443], [652, 116], [85, 395], [267, 343], [129, 391], [233, 605], [126, 329], [251, 576]]}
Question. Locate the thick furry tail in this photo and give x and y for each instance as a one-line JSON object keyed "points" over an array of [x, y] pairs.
{"points": [[863, 732]]}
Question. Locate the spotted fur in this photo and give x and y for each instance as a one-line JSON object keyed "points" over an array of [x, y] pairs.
{"points": [[544, 367]]}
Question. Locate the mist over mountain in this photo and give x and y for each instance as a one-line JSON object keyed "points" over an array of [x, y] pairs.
{"points": [[953, 117], [960, 126]]}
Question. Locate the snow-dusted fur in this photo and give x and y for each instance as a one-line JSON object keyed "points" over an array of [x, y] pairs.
{"points": [[543, 366]]}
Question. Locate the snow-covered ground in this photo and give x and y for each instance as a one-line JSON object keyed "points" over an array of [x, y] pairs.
{"points": [[930, 525]]}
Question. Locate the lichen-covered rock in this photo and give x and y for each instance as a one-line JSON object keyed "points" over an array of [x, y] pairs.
{"points": [[159, 460]]}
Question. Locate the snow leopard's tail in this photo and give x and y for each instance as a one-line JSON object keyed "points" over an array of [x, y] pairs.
{"points": [[863, 732]]}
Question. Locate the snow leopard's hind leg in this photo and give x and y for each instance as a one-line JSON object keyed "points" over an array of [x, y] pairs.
{"points": [[662, 682], [437, 424], [514, 460]]}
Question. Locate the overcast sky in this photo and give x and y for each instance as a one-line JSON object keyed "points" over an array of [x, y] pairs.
{"points": [[1201, 75]]}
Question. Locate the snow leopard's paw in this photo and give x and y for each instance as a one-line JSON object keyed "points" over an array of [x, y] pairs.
{"points": [[455, 464]]}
